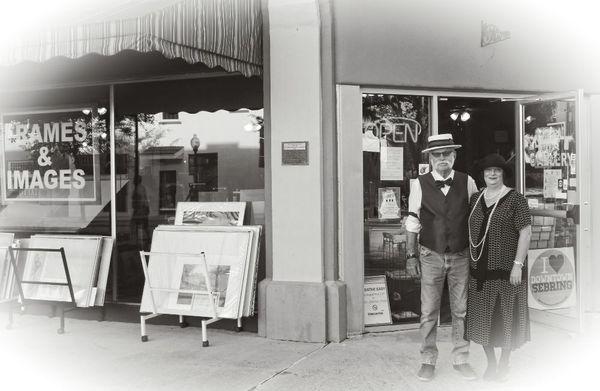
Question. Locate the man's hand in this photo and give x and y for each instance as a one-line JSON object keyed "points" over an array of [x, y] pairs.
{"points": [[412, 267], [515, 275]]}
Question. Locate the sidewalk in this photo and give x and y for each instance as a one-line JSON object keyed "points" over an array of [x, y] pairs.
{"points": [[94, 355]]}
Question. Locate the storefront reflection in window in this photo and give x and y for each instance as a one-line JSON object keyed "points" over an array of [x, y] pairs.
{"points": [[168, 158]]}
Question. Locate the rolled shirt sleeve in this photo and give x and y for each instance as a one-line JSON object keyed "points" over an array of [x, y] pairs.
{"points": [[413, 224]]}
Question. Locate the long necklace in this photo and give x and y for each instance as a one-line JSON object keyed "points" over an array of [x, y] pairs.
{"points": [[474, 246]]}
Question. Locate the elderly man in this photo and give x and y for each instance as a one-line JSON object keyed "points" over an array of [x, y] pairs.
{"points": [[438, 211]]}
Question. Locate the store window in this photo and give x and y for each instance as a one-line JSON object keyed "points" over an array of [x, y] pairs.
{"points": [[55, 162], [202, 157], [395, 130]]}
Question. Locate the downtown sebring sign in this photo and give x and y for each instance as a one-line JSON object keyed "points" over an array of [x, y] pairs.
{"points": [[51, 156]]}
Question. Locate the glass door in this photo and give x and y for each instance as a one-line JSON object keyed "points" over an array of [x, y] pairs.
{"points": [[550, 178]]}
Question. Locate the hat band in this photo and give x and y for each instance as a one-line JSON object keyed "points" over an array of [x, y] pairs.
{"points": [[441, 143]]}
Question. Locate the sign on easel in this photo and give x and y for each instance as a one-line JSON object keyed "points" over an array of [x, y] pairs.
{"points": [[376, 301]]}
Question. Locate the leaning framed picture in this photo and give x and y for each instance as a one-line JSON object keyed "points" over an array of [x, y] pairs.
{"points": [[210, 213]]}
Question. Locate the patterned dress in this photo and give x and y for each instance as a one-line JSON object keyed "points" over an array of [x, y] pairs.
{"points": [[497, 312]]}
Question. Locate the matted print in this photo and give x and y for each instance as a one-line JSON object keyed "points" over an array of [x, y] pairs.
{"points": [[82, 255], [210, 213], [101, 273]]}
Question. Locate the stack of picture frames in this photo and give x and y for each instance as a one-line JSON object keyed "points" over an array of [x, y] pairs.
{"points": [[208, 249], [88, 261]]}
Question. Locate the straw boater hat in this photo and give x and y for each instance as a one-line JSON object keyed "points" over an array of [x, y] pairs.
{"points": [[440, 141]]}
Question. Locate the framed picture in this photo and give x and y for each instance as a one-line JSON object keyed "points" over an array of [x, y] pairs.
{"points": [[210, 213], [389, 203], [102, 269]]}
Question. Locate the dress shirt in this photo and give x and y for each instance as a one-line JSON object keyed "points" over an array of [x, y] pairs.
{"points": [[414, 199]]}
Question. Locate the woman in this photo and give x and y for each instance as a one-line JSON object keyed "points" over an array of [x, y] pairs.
{"points": [[499, 233]]}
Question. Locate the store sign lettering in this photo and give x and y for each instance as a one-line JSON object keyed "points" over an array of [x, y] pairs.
{"points": [[50, 156]]}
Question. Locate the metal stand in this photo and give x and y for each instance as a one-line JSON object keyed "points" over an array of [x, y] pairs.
{"points": [[182, 323], [20, 282]]}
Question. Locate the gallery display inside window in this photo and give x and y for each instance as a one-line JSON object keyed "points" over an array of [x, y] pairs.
{"points": [[395, 130], [171, 142]]}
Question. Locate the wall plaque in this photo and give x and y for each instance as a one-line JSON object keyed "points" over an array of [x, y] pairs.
{"points": [[294, 153]]}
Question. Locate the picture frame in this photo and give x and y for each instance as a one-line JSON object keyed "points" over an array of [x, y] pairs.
{"points": [[210, 213]]}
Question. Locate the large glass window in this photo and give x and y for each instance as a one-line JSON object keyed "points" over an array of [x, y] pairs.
{"points": [[395, 130], [170, 157]]}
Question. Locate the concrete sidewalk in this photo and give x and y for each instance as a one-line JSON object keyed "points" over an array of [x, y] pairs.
{"points": [[94, 355]]}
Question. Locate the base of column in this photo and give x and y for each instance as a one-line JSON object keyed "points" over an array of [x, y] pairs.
{"points": [[302, 311]]}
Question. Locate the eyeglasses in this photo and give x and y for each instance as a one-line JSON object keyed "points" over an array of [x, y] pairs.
{"points": [[438, 155], [493, 170]]}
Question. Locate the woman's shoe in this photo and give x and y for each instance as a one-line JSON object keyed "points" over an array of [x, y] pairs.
{"points": [[490, 373], [502, 373]]}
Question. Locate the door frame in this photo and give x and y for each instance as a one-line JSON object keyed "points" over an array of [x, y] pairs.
{"points": [[350, 182], [583, 230]]}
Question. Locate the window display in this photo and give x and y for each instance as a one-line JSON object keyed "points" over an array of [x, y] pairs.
{"points": [[395, 130]]}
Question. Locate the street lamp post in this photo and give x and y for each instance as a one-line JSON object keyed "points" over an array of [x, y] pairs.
{"points": [[194, 187]]}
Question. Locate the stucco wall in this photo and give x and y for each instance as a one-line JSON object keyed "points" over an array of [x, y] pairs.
{"points": [[553, 45]]}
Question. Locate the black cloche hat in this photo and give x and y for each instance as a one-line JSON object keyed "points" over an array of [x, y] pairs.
{"points": [[494, 160]]}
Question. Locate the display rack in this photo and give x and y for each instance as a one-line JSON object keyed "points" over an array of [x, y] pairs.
{"points": [[213, 296], [19, 284]]}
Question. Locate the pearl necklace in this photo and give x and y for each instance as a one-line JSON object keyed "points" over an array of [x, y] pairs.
{"points": [[474, 246]]}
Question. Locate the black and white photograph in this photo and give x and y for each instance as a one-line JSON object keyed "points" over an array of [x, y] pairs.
{"points": [[266, 195]]}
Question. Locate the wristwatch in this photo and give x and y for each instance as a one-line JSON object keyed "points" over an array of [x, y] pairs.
{"points": [[411, 255]]}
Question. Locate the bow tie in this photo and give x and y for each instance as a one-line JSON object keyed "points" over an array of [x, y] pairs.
{"points": [[441, 184]]}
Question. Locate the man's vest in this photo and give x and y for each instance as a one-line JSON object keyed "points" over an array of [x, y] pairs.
{"points": [[444, 217]]}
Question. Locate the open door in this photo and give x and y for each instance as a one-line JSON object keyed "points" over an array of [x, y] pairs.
{"points": [[551, 148]]}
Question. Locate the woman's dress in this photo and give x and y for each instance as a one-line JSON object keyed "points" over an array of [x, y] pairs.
{"points": [[497, 312]]}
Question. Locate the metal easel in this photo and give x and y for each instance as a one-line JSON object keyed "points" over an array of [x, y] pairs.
{"points": [[20, 282], [213, 296]]}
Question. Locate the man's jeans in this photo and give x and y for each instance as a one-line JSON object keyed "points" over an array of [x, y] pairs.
{"points": [[434, 268]]}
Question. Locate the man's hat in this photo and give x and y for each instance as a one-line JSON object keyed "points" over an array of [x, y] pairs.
{"points": [[440, 141]]}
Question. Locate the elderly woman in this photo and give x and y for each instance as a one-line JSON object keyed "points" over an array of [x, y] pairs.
{"points": [[499, 233]]}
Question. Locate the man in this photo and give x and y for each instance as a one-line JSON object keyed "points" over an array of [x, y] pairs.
{"points": [[438, 208]]}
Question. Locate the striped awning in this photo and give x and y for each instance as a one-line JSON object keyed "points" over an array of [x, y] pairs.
{"points": [[224, 33]]}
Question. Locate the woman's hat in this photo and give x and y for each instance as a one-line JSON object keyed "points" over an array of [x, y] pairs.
{"points": [[494, 160], [440, 141]]}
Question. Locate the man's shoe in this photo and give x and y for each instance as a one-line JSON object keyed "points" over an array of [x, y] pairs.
{"points": [[465, 371], [426, 372]]}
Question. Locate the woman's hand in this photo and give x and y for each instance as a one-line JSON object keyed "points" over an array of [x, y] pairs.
{"points": [[515, 275]]}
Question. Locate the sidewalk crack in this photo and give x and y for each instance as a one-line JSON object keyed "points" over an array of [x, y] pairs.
{"points": [[298, 361]]}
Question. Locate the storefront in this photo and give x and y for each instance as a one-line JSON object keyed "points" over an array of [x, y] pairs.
{"points": [[350, 92], [108, 123], [422, 78]]}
